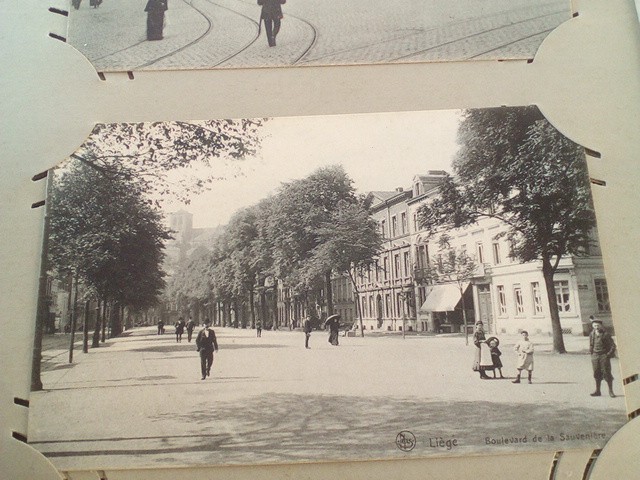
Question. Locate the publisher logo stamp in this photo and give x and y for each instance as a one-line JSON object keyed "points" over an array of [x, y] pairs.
{"points": [[406, 441]]}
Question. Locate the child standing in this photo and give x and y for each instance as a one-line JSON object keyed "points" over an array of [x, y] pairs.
{"points": [[495, 355], [524, 350]]}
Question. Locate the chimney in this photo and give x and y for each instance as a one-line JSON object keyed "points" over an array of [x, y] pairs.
{"points": [[399, 189]]}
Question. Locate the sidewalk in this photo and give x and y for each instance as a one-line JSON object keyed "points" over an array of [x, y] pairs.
{"points": [[271, 400]]}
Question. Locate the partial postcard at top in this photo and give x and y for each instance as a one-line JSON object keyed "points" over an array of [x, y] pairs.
{"points": [[120, 35]]}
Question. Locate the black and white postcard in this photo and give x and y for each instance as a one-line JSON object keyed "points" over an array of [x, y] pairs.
{"points": [[308, 289], [120, 35]]}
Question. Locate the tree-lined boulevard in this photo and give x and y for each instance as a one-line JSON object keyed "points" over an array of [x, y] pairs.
{"points": [[271, 400]]}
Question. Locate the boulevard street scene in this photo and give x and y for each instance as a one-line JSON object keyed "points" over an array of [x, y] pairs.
{"points": [[322, 288], [119, 35]]}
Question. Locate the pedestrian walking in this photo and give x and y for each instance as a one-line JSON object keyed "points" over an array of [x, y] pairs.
{"points": [[306, 328], [602, 348], [76, 4], [482, 356], [271, 14], [191, 325], [160, 327], [524, 350], [93, 3], [493, 343], [155, 18], [333, 322], [179, 329], [258, 328], [206, 344]]}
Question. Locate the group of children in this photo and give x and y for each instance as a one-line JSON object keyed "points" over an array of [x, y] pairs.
{"points": [[484, 362]]}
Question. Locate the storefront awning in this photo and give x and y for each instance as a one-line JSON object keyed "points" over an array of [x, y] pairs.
{"points": [[443, 298]]}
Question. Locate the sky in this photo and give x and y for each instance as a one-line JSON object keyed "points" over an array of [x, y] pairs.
{"points": [[378, 151]]}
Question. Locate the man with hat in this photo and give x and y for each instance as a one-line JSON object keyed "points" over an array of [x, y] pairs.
{"points": [[602, 348], [206, 344]]}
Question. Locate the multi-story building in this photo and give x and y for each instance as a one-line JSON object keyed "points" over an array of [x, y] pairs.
{"points": [[508, 295]]}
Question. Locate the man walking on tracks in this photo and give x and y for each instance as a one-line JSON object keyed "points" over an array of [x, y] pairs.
{"points": [[602, 348], [271, 14], [206, 344]]}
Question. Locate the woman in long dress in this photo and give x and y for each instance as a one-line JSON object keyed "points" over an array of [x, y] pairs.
{"points": [[482, 359], [155, 18]]}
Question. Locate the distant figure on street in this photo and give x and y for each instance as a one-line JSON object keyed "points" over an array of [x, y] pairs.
{"points": [[306, 328], [493, 343], [271, 14], [160, 327], [482, 357], [206, 344], [76, 4], [191, 325], [333, 322], [179, 329], [602, 348], [524, 350], [258, 328], [93, 3], [155, 18]]}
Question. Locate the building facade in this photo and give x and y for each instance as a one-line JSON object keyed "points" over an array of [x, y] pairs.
{"points": [[507, 295]]}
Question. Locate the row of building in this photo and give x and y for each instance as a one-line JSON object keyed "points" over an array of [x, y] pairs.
{"points": [[506, 294], [396, 293]]}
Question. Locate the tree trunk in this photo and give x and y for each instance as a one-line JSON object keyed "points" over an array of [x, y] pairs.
{"points": [[85, 327], [357, 301], [252, 308], [74, 316], [275, 305], [328, 292], [556, 327], [42, 308], [263, 308], [115, 320], [96, 332], [106, 313]]}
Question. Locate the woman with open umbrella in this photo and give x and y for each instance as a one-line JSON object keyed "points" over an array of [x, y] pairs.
{"points": [[333, 322]]}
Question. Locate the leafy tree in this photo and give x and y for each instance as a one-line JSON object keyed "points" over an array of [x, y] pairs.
{"points": [[514, 166], [146, 153], [300, 208], [348, 242]]}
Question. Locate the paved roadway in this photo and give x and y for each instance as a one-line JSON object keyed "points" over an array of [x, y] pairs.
{"points": [[138, 400], [223, 33]]}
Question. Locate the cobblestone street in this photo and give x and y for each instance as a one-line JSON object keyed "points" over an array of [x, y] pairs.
{"points": [[224, 33], [138, 400]]}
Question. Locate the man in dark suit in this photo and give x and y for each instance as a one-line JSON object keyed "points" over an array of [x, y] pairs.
{"points": [[602, 348], [206, 344], [271, 14]]}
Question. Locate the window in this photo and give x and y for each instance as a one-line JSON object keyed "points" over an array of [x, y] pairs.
{"points": [[396, 265], [407, 264], [480, 252], [536, 294], [502, 300], [377, 268], [386, 267], [415, 222], [383, 228], [387, 305], [423, 256], [394, 226], [517, 296], [562, 295], [602, 295], [496, 253], [364, 306], [399, 308], [372, 311], [403, 221]]}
